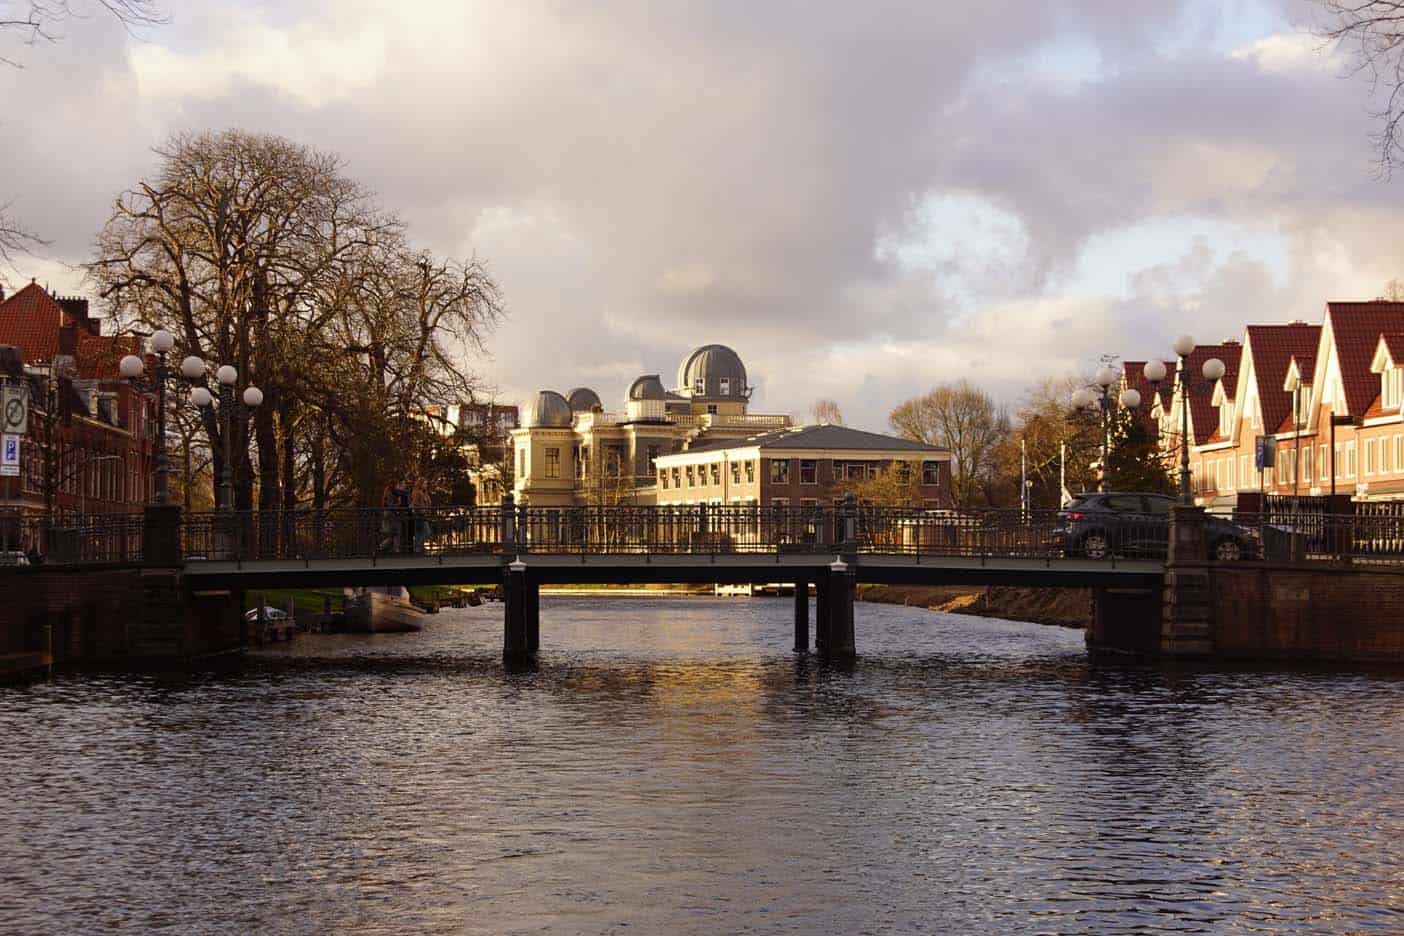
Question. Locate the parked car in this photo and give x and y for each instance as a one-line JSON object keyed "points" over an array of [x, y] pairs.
{"points": [[271, 615], [1137, 526]]}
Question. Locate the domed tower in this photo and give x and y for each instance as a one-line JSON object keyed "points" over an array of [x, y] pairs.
{"points": [[713, 380], [713, 374], [647, 399], [549, 410], [583, 400]]}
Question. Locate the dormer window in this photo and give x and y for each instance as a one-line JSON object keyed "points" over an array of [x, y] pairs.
{"points": [[726, 386], [1392, 387], [699, 386]]}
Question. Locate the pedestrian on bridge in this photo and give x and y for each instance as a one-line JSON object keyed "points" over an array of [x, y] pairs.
{"points": [[420, 502]]}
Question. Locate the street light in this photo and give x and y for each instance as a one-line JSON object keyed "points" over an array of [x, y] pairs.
{"points": [[226, 375], [1084, 398], [131, 367], [1212, 369]]}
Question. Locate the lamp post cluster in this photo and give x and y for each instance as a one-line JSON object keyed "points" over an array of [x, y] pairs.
{"points": [[1085, 398], [194, 370], [1212, 370]]}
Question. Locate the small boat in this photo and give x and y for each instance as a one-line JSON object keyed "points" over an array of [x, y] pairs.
{"points": [[381, 610]]}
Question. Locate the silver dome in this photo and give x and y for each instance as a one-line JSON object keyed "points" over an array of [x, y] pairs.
{"points": [[583, 400], [647, 387], [712, 364], [548, 411]]}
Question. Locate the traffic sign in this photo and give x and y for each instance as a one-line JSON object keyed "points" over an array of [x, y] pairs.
{"points": [[14, 409], [10, 456]]}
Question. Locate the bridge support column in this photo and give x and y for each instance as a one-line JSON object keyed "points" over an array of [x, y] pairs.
{"points": [[843, 587], [821, 614], [1186, 625], [801, 616], [514, 613]]}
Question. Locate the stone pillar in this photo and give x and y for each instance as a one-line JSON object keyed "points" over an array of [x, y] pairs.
{"points": [[160, 536], [514, 600], [801, 616], [1186, 628], [843, 586]]}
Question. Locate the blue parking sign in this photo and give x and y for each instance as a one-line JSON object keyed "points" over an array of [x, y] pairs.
{"points": [[10, 455]]}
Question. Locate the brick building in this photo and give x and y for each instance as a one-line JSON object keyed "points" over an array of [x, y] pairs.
{"points": [[799, 467], [91, 437]]}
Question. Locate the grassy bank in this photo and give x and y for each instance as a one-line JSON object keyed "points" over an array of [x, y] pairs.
{"points": [[1065, 607]]}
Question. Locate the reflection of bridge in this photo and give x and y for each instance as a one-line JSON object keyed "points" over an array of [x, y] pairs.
{"points": [[521, 548]]}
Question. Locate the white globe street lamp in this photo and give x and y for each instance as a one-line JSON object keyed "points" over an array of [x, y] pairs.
{"points": [[130, 367], [162, 341], [1154, 371], [1213, 369], [1183, 345], [192, 368], [201, 397], [227, 374], [1130, 398], [253, 397]]}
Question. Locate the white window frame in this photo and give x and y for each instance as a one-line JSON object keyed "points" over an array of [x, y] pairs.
{"points": [[1369, 459], [725, 387]]}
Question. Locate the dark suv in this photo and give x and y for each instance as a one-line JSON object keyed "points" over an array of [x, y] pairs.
{"points": [[1137, 526]]}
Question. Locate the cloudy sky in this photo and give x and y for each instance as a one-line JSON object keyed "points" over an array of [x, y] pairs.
{"points": [[864, 200]]}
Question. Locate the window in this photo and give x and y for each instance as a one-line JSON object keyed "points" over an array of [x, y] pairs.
{"points": [[1369, 465], [1226, 420], [473, 417], [779, 502], [1350, 459], [1322, 465], [735, 472], [579, 464], [553, 463], [614, 461], [809, 471], [716, 474], [1383, 466], [809, 502], [1399, 453], [856, 471], [712, 409], [1340, 461], [663, 478], [1267, 477], [691, 477], [779, 471], [677, 477], [652, 457], [1392, 387], [750, 472], [699, 386], [521, 462], [1306, 465], [726, 386], [930, 472]]}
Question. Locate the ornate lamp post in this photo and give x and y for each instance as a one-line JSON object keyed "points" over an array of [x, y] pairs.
{"points": [[1212, 370], [1084, 398], [131, 367], [227, 375]]}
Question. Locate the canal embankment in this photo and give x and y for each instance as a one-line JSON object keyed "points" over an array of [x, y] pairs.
{"points": [[1062, 607]]}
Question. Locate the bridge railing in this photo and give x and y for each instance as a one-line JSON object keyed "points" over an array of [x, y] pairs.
{"points": [[673, 529], [341, 533], [114, 538], [1311, 536]]}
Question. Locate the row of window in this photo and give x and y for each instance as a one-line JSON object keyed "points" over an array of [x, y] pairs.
{"points": [[614, 457], [780, 472], [699, 474], [1381, 456]]}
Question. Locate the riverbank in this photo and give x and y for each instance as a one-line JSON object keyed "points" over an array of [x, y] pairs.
{"points": [[1063, 607]]}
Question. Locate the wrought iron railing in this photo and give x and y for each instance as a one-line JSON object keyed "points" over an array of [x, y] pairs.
{"points": [[1274, 537]]}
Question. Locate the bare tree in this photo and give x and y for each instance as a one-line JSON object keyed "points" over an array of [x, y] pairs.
{"points": [[260, 253], [826, 413], [1374, 30], [36, 21], [14, 237], [962, 418]]}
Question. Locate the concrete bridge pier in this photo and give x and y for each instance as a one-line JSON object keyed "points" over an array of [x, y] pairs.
{"points": [[843, 588], [521, 601], [821, 615], [801, 616]]}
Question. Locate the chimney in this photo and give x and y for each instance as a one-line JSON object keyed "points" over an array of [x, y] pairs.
{"points": [[78, 309], [68, 340]]}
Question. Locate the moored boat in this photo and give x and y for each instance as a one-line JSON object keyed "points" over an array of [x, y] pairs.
{"points": [[381, 610]]}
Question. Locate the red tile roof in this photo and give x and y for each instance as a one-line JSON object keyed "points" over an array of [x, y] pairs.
{"points": [[1356, 328], [1273, 347], [1203, 413], [1394, 341], [30, 320]]}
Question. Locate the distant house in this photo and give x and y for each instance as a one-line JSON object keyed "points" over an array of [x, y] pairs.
{"points": [[799, 467], [90, 437]]}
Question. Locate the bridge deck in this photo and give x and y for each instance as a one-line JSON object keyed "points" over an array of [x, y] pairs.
{"points": [[575, 568]]}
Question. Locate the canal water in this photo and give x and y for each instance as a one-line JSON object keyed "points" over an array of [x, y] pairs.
{"points": [[671, 768]]}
